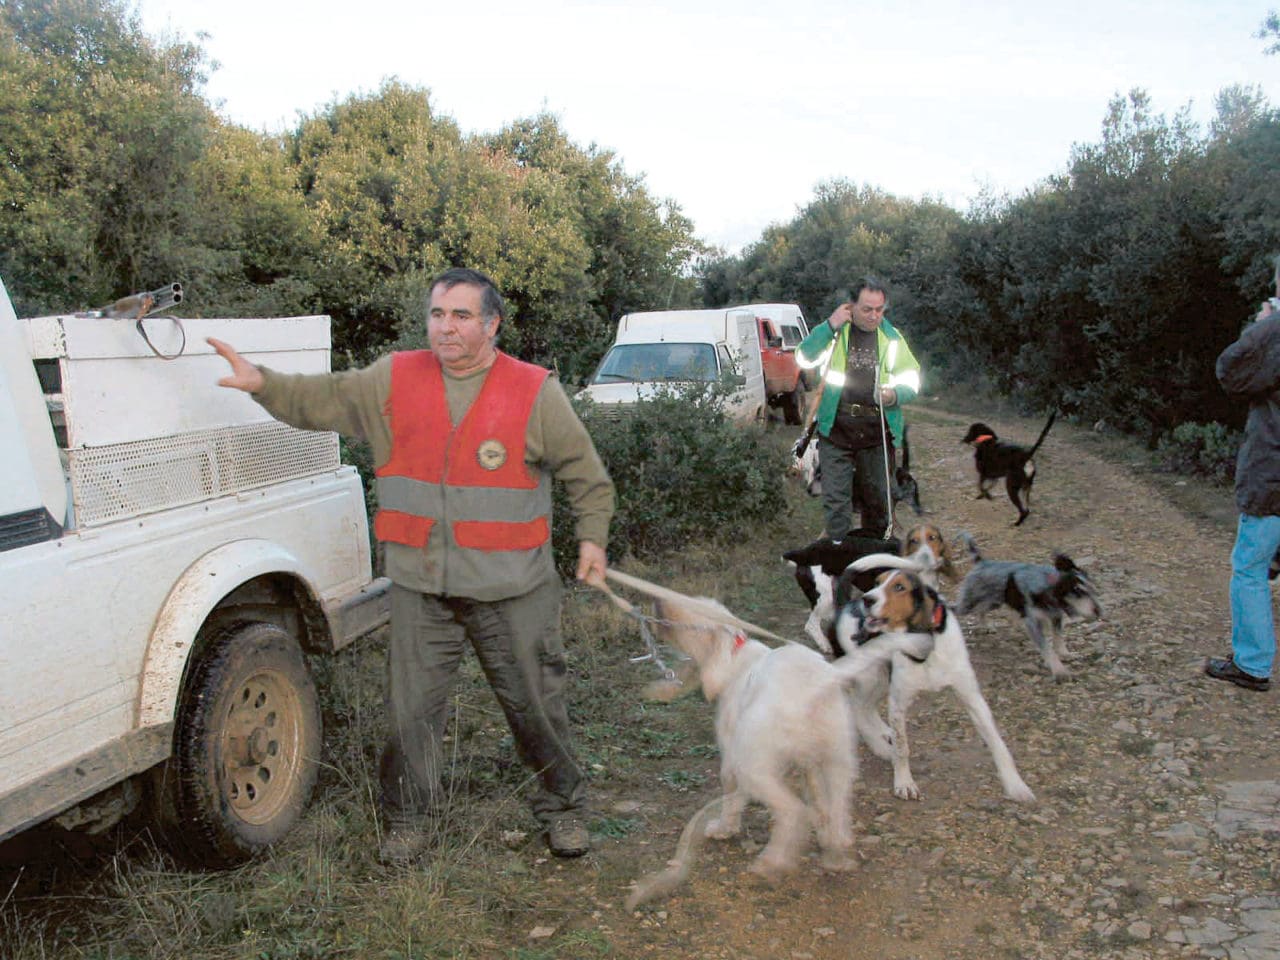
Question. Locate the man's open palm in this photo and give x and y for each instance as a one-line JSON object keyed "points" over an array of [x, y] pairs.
{"points": [[244, 375]]}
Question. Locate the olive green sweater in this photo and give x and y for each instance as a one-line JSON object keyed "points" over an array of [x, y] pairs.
{"points": [[354, 402]]}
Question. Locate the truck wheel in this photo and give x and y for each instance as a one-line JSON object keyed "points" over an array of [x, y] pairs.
{"points": [[793, 405], [247, 738]]}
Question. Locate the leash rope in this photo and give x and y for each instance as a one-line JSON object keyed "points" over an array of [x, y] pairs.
{"points": [[651, 644], [884, 448], [716, 616]]}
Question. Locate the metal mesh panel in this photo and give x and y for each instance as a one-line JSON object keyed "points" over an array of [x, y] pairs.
{"points": [[127, 479]]}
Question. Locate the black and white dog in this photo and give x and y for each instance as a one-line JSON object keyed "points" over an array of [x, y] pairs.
{"points": [[1043, 596], [904, 602], [830, 573], [995, 459], [818, 565]]}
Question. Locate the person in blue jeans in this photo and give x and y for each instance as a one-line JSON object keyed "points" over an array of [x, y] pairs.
{"points": [[1250, 367]]}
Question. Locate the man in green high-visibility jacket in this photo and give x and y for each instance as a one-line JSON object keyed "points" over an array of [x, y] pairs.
{"points": [[869, 372]]}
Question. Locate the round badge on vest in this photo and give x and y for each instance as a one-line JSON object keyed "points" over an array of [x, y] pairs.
{"points": [[491, 454]]}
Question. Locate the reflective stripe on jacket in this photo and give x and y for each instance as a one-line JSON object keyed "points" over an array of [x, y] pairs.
{"points": [[465, 491], [898, 368]]}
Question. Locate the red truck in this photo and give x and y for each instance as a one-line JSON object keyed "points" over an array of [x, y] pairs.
{"points": [[781, 327]]}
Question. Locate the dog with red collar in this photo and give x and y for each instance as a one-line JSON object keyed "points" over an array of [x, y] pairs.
{"points": [[903, 603], [781, 716], [996, 459]]}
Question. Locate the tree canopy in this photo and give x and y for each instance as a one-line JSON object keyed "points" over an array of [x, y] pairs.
{"points": [[1105, 290], [119, 176]]}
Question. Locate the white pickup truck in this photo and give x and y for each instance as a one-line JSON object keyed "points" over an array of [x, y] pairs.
{"points": [[169, 555]]}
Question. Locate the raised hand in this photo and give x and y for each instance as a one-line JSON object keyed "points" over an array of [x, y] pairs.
{"points": [[244, 375]]}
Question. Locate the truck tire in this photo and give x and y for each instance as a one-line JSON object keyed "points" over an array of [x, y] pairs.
{"points": [[246, 744], [793, 406]]}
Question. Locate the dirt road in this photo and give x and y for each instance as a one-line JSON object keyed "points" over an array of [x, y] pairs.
{"points": [[1158, 814]]}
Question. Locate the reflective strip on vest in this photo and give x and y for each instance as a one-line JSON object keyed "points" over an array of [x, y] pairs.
{"points": [[435, 475], [466, 504], [835, 378], [804, 364], [908, 378]]}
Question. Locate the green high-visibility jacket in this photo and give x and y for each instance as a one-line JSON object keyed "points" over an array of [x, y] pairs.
{"points": [[829, 350]]}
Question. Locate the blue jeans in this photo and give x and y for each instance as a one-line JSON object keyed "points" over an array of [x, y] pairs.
{"points": [[1253, 632]]}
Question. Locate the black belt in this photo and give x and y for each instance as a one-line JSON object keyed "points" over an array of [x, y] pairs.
{"points": [[859, 410]]}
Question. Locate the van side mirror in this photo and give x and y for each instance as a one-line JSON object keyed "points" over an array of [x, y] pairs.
{"points": [[738, 379]]}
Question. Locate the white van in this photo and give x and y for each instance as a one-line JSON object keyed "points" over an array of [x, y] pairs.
{"points": [[674, 346]]}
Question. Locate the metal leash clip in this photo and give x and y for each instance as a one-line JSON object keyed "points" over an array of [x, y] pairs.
{"points": [[651, 645]]}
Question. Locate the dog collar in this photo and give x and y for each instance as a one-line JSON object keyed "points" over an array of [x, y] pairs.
{"points": [[984, 438]]}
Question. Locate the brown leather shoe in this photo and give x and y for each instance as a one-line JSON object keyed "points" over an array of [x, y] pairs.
{"points": [[403, 841], [568, 837], [1221, 668]]}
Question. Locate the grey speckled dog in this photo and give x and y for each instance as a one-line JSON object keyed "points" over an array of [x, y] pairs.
{"points": [[1043, 596]]}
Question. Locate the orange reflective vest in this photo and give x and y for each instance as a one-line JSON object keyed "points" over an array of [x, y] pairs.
{"points": [[470, 480]]}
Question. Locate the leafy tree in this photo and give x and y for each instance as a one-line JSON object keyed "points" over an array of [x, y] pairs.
{"points": [[845, 233], [99, 126], [636, 249], [1270, 30]]}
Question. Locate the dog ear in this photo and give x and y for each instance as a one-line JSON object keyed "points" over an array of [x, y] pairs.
{"points": [[948, 566], [1063, 563], [923, 600], [931, 613]]}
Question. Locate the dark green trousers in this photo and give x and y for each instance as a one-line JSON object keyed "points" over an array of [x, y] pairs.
{"points": [[849, 477], [518, 644]]}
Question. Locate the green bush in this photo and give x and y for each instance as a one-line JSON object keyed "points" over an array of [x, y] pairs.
{"points": [[684, 473], [1200, 449]]}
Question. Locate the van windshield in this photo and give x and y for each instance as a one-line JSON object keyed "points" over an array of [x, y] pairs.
{"points": [[647, 362]]}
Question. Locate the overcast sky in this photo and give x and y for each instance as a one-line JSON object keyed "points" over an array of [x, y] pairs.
{"points": [[737, 110]]}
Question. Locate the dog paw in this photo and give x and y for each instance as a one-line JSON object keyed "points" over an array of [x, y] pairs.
{"points": [[906, 791], [1020, 792], [880, 745], [837, 861], [771, 867], [721, 830], [1061, 674]]}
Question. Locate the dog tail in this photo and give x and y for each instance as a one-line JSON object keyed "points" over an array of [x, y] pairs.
{"points": [[663, 882], [970, 545], [879, 649], [906, 449], [1053, 415]]}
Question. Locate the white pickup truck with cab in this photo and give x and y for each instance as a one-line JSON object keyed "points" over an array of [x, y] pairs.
{"points": [[169, 555]]}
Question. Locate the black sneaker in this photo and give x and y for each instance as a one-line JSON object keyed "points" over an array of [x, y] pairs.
{"points": [[1225, 669]]}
